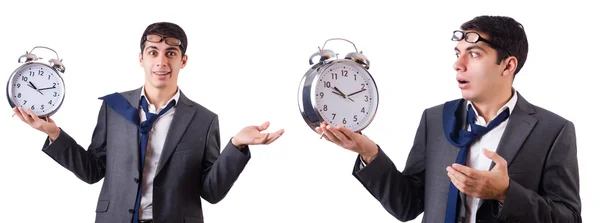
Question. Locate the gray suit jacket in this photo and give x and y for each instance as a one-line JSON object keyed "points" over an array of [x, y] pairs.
{"points": [[538, 145], [191, 165]]}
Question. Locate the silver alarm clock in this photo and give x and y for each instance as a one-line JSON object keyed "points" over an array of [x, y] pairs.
{"points": [[340, 92], [37, 85]]}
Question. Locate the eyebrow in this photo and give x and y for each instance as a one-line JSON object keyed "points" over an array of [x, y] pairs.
{"points": [[472, 47], [169, 48]]}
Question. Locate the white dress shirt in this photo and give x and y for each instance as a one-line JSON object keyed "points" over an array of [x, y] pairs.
{"points": [[156, 139], [476, 159]]}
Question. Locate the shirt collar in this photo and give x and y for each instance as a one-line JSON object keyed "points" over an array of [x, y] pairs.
{"points": [[510, 105], [174, 98]]}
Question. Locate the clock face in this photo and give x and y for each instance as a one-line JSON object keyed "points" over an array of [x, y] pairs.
{"points": [[346, 95], [38, 87]]}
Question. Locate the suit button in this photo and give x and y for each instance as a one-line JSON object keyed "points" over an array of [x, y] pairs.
{"points": [[136, 180], [131, 211]]}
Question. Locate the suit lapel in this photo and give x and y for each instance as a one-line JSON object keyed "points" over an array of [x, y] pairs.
{"points": [[133, 97], [184, 112], [518, 128]]}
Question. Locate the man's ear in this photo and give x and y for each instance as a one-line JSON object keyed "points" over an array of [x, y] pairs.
{"points": [[141, 60], [511, 66], [184, 61]]}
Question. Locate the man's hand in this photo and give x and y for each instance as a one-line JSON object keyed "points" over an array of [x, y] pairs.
{"points": [[482, 184], [349, 140], [251, 135], [46, 126]]}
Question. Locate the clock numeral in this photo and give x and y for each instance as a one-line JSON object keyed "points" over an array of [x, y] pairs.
{"points": [[42, 107], [344, 121], [41, 73], [321, 94], [362, 110], [18, 85], [31, 73], [19, 95], [355, 77], [48, 77], [53, 84], [362, 86], [333, 116], [324, 107], [355, 118], [24, 78], [327, 84], [55, 94], [25, 102], [344, 73], [32, 107], [50, 102], [366, 98], [334, 76]]}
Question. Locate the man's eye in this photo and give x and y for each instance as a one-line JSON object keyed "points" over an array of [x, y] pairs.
{"points": [[474, 54]]}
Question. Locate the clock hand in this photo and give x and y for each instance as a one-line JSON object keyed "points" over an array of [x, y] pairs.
{"points": [[338, 90], [357, 92], [47, 88], [34, 88]]}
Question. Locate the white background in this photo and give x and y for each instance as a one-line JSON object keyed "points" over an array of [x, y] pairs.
{"points": [[246, 59]]}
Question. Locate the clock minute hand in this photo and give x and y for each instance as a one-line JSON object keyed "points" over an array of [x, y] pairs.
{"points": [[46, 88], [357, 92]]}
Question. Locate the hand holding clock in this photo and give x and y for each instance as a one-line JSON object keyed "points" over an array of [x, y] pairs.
{"points": [[345, 138], [46, 126]]}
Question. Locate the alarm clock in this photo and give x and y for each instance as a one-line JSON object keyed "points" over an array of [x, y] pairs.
{"points": [[36, 84], [340, 92]]}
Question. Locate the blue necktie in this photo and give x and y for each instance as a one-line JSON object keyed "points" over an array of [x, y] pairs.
{"points": [[118, 103], [463, 139]]}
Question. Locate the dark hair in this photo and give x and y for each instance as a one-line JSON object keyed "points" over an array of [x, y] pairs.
{"points": [[505, 32], [165, 29]]}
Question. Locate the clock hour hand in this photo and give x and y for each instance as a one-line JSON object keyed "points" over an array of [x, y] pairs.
{"points": [[34, 88], [340, 93]]}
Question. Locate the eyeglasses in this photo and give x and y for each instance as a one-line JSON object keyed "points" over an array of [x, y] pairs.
{"points": [[153, 38], [473, 37]]}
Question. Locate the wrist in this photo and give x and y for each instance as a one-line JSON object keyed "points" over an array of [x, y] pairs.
{"points": [[53, 134], [370, 154], [237, 145]]}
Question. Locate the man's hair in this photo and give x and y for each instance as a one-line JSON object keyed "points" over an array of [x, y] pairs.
{"points": [[505, 32], [165, 29]]}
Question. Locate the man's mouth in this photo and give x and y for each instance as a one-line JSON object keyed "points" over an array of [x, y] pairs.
{"points": [[161, 73]]}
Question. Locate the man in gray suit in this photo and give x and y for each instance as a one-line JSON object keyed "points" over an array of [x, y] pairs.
{"points": [[157, 151], [490, 156]]}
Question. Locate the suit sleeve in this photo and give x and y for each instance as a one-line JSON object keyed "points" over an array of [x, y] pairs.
{"points": [[88, 165], [558, 198], [220, 170], [400, 193]]}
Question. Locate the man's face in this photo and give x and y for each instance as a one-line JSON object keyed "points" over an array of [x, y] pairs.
{"points": [[477, 74], [161, 63]]}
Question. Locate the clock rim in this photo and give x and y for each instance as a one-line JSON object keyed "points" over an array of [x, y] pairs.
{"points": [[9, 88]]}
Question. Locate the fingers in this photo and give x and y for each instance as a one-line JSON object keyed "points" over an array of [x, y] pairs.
{"points": [[26, 117], [18, 113], [500, 162], [348, 133], [34, 117], [467, 171], [264, 126], [460, 177], [338, 134]]}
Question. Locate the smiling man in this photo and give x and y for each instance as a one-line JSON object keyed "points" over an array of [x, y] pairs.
{"points": [[158, 152], [490, 156]]}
